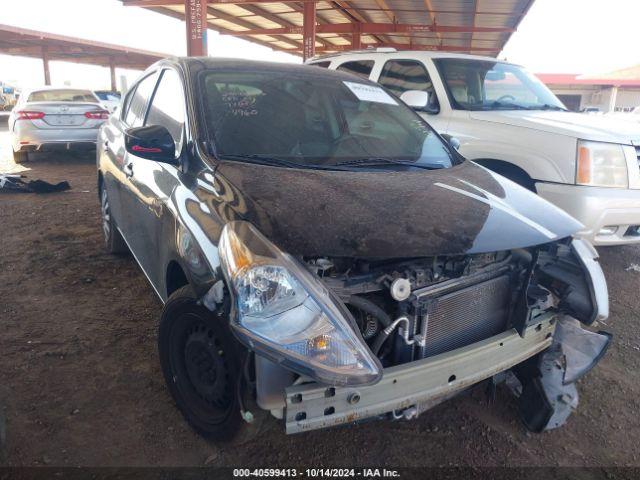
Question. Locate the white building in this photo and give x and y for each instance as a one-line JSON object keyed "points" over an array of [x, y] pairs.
{"points": [[616, 91]]}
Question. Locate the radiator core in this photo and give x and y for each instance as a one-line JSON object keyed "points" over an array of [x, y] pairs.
{"points": [[464, 316]]}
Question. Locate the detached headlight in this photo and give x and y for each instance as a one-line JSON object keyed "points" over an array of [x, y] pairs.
{"points": [[282, 310], [601, 165]]}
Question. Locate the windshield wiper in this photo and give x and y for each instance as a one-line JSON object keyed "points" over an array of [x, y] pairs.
{"points": [[548, 106], [507, 106], [376, 161], [276, 162]]}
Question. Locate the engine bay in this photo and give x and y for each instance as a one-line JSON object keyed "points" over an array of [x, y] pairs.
{"points": [[416, 308]]}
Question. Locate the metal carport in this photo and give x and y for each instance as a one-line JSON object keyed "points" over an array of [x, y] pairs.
{"points": [[307, 27], [49, 46]]}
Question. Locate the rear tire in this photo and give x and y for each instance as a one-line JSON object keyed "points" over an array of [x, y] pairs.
{"points": [[202, 365], [20, 157], [113, 238]]}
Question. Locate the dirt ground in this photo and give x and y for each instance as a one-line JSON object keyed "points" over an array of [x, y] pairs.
{"points": [[80, 383]]}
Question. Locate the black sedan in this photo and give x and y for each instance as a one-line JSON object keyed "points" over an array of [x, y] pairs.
{"points": [[324, 256]]}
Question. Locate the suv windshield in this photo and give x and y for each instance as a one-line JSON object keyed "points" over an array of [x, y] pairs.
{"points": [[65, 95], [310, 120], [487, 85]]}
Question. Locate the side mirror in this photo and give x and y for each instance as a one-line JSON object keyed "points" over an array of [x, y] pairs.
{"points": [[416, 99], [453, 141], [153, 142]]}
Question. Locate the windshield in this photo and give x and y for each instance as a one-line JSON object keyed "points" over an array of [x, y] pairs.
{"points": [[63, 96], [486, 85], [316, 121]]}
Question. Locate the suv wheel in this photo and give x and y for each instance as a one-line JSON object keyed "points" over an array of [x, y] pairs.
{"points": [[201, 363], [112, 237], [20, 157]]}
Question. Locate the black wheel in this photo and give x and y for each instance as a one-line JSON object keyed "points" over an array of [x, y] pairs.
{"points": [[202, 365], [20, 157], [112, 237]]}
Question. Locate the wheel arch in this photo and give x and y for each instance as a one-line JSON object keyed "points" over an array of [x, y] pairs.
{"points": [[175, 277], [509, 170]]}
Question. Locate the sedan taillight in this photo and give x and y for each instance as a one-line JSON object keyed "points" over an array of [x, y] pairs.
{"points": [[29, 115], [97, 115]]}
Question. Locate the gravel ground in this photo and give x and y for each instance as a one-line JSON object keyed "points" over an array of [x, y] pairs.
{"points": [[80, 382]]}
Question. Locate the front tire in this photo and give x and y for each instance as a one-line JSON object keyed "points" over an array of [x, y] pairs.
{"points": [[113, 238], [20, 157], [202, 365]]}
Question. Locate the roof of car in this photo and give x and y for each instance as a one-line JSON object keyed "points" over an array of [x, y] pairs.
{"points": [[210, 63], [408, 53]]}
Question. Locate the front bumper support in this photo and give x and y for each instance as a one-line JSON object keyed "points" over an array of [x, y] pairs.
{"points": [[313, 406]]}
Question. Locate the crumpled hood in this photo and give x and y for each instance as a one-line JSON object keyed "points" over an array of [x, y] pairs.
{"points": [[578, 125], [383, 214]]}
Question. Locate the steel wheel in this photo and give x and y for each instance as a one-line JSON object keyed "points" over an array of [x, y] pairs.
{"points": [[112, 237]]}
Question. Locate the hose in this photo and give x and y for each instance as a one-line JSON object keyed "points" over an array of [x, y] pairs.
{"points": [[384, 335], [371, 308]]}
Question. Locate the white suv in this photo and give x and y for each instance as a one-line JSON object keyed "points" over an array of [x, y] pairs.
{"points": [[509, 121]]}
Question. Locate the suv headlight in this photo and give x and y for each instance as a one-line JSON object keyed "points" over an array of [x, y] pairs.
{"points": [[283, 311], [601, 165]]}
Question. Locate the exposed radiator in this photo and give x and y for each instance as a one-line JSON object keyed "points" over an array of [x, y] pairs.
{"points": [[464, 316]]}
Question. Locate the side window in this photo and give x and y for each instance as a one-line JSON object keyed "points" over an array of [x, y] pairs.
{"points": [[402, 75], [168, 105], [127, 103], [361, 67], [137, 108]]}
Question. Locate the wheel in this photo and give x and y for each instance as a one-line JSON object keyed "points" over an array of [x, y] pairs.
{"points": [[20, 157], [112, 236], [202, 364]]}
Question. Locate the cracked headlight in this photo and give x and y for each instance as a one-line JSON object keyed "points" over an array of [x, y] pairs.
{"points": [[601, 165], [284, 312]]}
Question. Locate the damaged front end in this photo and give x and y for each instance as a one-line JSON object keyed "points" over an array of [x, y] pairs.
{"points": [[343, 339]]}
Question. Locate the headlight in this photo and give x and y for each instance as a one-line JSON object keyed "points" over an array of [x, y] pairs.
{"points": [[601, 165], [283, 311]]}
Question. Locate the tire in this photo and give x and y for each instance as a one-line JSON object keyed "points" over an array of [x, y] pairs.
{"points": [[202, 364], [113, 238], [20, 157]]}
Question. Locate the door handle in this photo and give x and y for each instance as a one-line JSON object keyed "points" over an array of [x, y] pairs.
{"points": [[128, 169], [106, 144]]}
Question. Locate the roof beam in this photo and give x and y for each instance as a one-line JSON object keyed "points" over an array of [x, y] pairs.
{"points": [[373, 28], [473, 22], [272, 17], [246, 24], [401, 46], [345, 7]]}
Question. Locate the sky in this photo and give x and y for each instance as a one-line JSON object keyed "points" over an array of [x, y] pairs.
{"points": [[557, 36]]}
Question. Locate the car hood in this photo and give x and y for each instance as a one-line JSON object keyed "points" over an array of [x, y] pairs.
{"points": [[387, 214], [578, 125]]}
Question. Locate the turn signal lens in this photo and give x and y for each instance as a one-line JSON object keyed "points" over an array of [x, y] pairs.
{"points": [[29, 115], [584, 166]]}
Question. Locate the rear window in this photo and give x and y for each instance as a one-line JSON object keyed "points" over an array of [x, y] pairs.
{"points": [[63, 95]]}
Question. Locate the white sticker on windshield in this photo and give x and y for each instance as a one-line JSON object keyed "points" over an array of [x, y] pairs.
{"points": [[370, 93]]}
